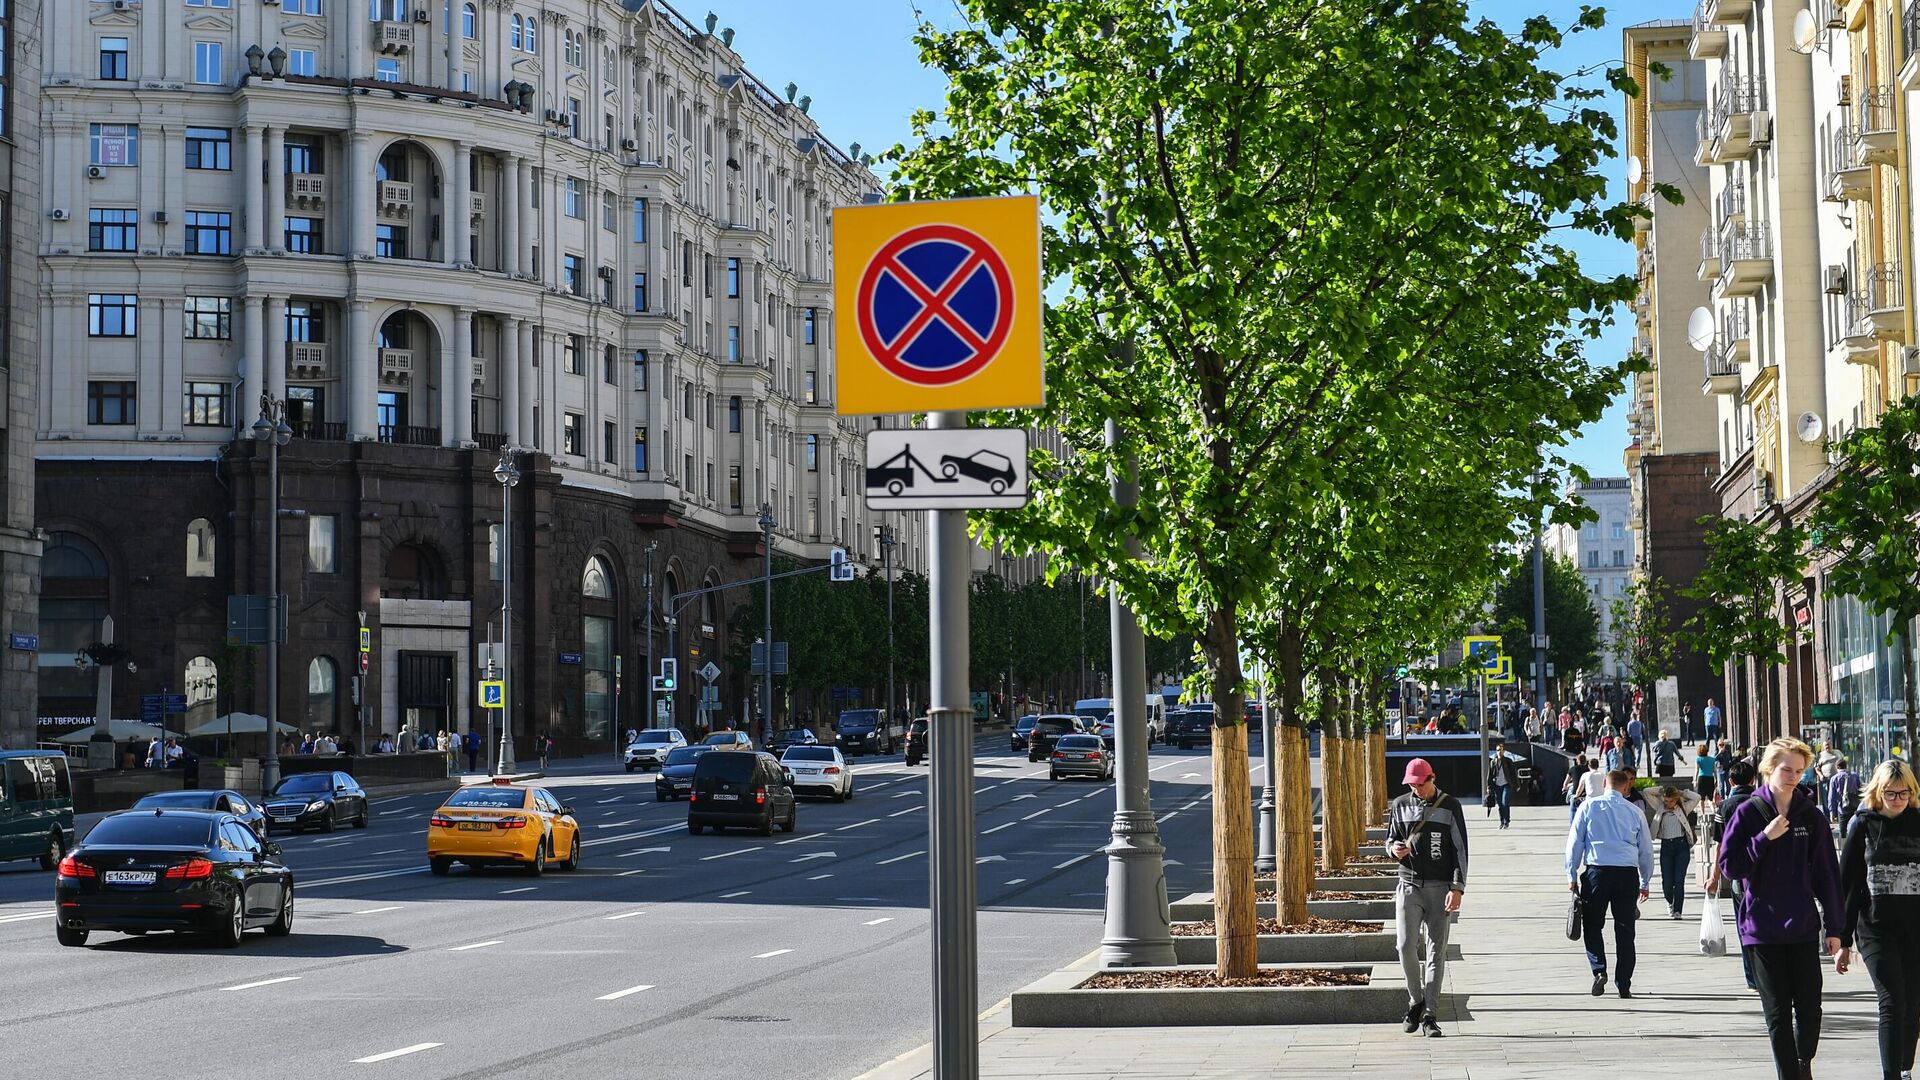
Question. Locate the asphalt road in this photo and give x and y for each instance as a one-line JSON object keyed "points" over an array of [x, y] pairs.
{"points": [[667, 954]]}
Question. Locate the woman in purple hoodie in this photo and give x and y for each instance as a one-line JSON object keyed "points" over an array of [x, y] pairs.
{"points": [[1779, 844]]}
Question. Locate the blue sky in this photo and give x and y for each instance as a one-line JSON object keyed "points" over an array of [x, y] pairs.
{"points": [[857, 60]]}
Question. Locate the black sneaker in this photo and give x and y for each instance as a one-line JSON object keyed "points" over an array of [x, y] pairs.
{"points": [[1599, 983], [1626, 993], [1414, 1013], [1430, 1028]]}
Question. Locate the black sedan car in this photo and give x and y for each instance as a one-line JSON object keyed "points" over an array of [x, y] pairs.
{"points": [[1189, 728], [675, 781], [172, 870], [316, 800], [1017, 738], [919, 741], [218, 802], [1047, 730], [792, 737]]}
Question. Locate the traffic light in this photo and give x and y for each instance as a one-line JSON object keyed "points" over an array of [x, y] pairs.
{"points": [[669, 676]]}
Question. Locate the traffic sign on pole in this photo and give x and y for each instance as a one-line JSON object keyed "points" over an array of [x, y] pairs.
{"points": [[1501, 674], [1481, 646], [948, 469], [937, 305], [493, 694], [710, 672]]}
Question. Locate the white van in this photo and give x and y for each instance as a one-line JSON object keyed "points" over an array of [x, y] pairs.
{"points": [[1100, 711]]}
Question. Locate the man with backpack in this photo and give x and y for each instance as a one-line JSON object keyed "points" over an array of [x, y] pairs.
{"points": [[1842, 796]]}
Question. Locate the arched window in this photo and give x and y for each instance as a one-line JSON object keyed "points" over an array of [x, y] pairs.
{"points": [[323, 696], [533, 36], [414, 574], [597, 649], [73, 600], [201, 684], [468, 20], [513, 32], [68, 556], [200, 548], [597, 581]]}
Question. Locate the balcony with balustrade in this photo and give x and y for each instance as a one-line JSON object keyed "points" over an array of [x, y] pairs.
{"points": [[1709, 40], [1746, 259], [1872, 314], [307, 359], [1733, 203], [1849, 176], [306, 191], [396, 366], [1874, 128], [1910, 46], [1728, 12], [1709, 269]]}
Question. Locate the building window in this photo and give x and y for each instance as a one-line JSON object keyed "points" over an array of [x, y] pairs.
{"points": [[304, 322], [639, 221], [209, 232], [609, 211], [570, 275], [210, 3], [572, 47], [1619, 557], [570, 201], [733, 486], [709, 472], [1593, 558], [807, 321], [113, 58], [570, 355], [812, 388], [113, 315], [733, 344], [303, 154], [209, 67], [113, 230], [813, 454], [201, 546], [469, 21], [686, 400], [513, 33], [209, 148], [733, 279], [209, 318], [606, 285], [706, 275], [386, 70], [610, 367], [707, 412], [206, 404], [686, 264], [1619, 530], [111, 403], [304, 236], [733, 415], [607, 441], [323, 543], [639, 292], [573, 117], [113, 144], [639, 449], [301, 7], [390, 241], [639, 369], [303, 62], [570, 434]]}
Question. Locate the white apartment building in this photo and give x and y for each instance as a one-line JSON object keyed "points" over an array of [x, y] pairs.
{"points": [[1603, 550]]}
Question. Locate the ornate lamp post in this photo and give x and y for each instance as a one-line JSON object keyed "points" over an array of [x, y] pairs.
{"points": [[271, 428], [509, 477]]}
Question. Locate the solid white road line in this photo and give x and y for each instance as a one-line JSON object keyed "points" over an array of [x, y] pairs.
{"points": [[900, 858], [729, 854], [28, 915], [629, 873], [997, 828], [877, 922], [615, 824], [731, 895], [374, 911], [618, 994], [523, 888], [776, 952], [905, 794], [623, 915], [477, 945], [1070, 862], [402, 1052], [1165, 816], [391, 851], [264, 982]]}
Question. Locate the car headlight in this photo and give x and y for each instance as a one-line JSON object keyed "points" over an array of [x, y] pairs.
{"points": [[316, 806]]}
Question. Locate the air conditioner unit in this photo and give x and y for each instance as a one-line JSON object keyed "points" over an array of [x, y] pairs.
{"points": [[96, 172], [1762, 130], [125, 5], [1836, 18], [59, 214], [1846, 90], [1836, 280], [606, 273], [422, 16], [159, 217], [553, 116], [631, 146], [271, 3]]}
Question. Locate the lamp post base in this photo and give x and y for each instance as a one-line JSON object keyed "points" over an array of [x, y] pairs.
{"points": [[1137, 933], [1265, 860], [100, 752]]}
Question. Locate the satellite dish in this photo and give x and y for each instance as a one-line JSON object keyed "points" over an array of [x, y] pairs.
{"points": [[1806, 32], [1700, 329], [1634, 169], [1809, 427]]}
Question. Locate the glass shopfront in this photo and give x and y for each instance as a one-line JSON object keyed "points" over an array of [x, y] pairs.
{"points": [[1865, 705]]}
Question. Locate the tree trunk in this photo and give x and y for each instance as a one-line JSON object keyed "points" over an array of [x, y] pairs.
{"points": [[1357, 770], [1292, 786], [1331, 835], [1235, 924], [1377, 794]]}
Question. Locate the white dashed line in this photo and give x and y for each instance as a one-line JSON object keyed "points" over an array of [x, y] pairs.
{"points": [[1168, 814], [618, 994], [857, 824], [877, 922], [629, 873], [28, 915], [820, 877], [997, 828], [908, 810], [900, 858], [731, 895], [1037, 813], [769, 955], [264, 982], [604, 802], [402, 1052], [375, 911], [521, 889], [730, 854], [616, 824], [1016, 881], [391, 851], [475, 945], [1070, 862]]}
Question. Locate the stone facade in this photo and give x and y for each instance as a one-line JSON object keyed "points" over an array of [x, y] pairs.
{"points": [[20, 217]]}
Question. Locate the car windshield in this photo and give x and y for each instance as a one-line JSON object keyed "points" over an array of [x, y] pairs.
{"points": [[153, 830], [794, 735], [723, 738], [1079, 742], [650, 737], [735, 767], [1101, 715], [305, 784], [1025, 723], [195, 800], [499, 798], [920, 727], [863, 720], [808, 753], [685, 755]]}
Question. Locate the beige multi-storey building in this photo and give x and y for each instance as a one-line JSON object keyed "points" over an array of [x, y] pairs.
{"points": [[432, 230], [20, 217]]}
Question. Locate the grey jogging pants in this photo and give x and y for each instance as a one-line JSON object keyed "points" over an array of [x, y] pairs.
{"points": [[1416, 907]]}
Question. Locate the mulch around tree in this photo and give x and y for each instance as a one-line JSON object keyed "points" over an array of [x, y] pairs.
{"points": [[1328, 894], [1161, 980], [1313, 925]]}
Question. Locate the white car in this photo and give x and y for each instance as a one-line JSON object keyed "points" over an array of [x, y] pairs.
{"points": [[819, 770], [649, 749]]}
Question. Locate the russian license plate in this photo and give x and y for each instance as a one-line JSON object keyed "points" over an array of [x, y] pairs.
{"points": [[1076, 757], [128, 877], [475, 826], [728, 798]]}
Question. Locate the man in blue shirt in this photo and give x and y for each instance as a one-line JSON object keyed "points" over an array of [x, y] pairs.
{"points": [[1611, 841]]}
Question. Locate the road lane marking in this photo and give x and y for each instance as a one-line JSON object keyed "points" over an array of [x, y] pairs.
{"points": [[391, 851], [604, 802], [523, 888], [475, 945], [1191, 805], [402, 1052], [774, 953], [820, 877], [1037, 813], [984, 790], [1016, 881], [905, 794], [900, 858], [264, 982], [374, 911], [350, 878], [997, 828], [618, 994], [615, 824], [731, 895], [623, 915], [1165, 816], [908, 810], [730, 854], [629, 873], [28, 915], [1070, 862], [857, 824], [633, 836], [877, 922]]}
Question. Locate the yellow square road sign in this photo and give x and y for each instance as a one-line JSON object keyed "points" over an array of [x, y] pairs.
{"points": [[493, 694], [937, 306], [1502, 673], [1481, 647]]}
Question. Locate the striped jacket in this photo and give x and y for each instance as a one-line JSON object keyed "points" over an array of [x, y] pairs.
{"points": [[1439, 851]]}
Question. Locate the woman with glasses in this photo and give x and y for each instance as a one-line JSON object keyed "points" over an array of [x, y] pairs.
{"points": [[1880, 883]]}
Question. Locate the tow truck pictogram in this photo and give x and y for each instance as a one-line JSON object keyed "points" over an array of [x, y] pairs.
{"points": [[896, 474]]}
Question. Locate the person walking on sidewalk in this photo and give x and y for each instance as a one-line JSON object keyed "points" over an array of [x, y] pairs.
{"points": [[1779, 845], [1704, 767], [1710, 716], [1842, 795], [1610, 865], [1500, 783], [1672, 827], [1666, 756], [1880, 883], [1427, 835]]}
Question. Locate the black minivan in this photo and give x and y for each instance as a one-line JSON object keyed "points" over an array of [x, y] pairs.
{"points": [[744, 790]]}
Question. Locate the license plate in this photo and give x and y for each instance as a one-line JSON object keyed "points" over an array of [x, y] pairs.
{"points": [[128, 877], [475, 826], [728, 798], [1076, 757]]}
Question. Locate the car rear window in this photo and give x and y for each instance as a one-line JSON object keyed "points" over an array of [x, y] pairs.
{"points": [[1053, 727], [497, 798], [198, 800], [810, 753], [1080, 742], [735, 767], [685, 754], [153, 830]]}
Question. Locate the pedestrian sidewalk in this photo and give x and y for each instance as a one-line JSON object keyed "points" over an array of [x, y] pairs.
{"points": [[1518, 1004]]}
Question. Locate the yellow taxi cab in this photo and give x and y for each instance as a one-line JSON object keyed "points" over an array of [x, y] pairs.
{"points": [[503, 824]]}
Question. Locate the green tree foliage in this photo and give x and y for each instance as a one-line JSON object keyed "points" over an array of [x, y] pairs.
{"points": [[1573, 623], [1643, 632], [1330, 257], [1865, 521], [1748, 563]]}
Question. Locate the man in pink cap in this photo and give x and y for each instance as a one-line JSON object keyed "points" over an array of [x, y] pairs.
{"points": [[1427, 834]]}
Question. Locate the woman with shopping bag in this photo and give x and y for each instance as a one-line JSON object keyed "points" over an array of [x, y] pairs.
{"points": [[1880, 884], [1671, 810]]}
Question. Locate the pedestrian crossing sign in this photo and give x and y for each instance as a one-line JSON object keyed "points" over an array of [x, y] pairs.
{"points": [[1501, 673], [493, 694], [1482, 647]]}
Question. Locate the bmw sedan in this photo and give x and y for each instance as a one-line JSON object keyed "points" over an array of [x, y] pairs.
{"points": [[163, 869], [1080, 755], [318, 800], [819, 770], [675, 781], [218, 802]]}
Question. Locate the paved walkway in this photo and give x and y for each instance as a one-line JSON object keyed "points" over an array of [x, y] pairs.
{"points": [[1519, 1006]]}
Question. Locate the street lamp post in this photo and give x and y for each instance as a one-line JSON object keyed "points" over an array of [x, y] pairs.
{"points": [[766, 685], [509, 477], [1006, 590], [646, 671], [886, 550], [271, 428]]}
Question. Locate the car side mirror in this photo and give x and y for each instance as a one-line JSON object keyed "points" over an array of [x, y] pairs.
{"points": [[567, 810], [272, 851], [787, 775]]}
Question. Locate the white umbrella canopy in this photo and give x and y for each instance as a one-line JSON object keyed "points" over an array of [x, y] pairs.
{"points": [[244, 723], [121, 730]]}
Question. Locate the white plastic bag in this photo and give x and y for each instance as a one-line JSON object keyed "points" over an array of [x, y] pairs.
{"points": [[1713, 932]]}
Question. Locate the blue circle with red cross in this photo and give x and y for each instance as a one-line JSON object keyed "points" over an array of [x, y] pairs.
{"points": [[935, 305]]}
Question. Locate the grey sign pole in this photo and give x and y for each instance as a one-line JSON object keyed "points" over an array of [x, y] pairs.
{"points": [[766, 685], [950, 826], [1484, 750], [1137, 926]]}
